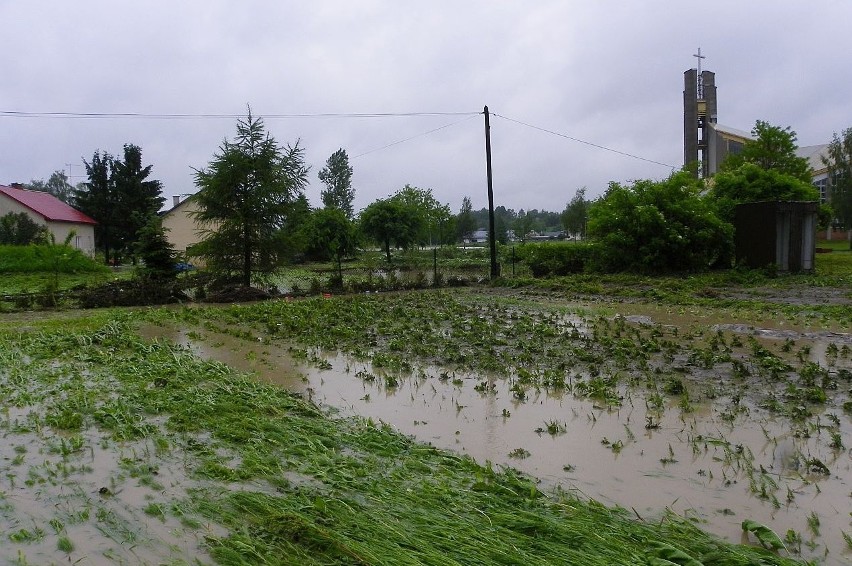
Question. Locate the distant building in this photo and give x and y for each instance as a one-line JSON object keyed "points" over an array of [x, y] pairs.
{"points": [[819, 172], [545, 236], [182, 228], [723, 141], [478, 237], [59, 218], [708, 143], [699, 114]]}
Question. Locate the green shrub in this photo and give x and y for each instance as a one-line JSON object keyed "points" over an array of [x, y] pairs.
{"points": [[555, 258], [659, 226], [18, 229]]}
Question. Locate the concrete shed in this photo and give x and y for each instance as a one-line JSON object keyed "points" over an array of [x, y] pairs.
{"points": [[782, 234]]}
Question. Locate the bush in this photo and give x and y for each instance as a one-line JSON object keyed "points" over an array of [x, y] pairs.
{"points": [[558, 258], [18, 229], [659, 226]]}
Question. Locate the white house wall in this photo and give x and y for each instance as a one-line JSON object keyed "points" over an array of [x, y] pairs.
{"points": [[84, 239], [182, 230]]}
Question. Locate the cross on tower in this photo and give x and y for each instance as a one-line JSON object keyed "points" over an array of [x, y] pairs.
{"points": [[699, 56]]}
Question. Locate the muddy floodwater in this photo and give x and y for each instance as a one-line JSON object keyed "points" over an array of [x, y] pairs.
{"points": [[714, 463]]}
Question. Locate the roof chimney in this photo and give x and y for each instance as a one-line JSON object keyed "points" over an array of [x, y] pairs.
{"points": [[176, 200]]}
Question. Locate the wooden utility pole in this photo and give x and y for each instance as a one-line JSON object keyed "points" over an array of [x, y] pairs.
{"points": [[492, 236]]}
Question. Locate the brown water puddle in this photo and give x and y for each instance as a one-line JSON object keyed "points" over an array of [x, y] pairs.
{"points": [[92, 491], [697, 464]]}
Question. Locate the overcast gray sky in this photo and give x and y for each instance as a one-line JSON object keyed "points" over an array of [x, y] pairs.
{"points": [[606, 72]]}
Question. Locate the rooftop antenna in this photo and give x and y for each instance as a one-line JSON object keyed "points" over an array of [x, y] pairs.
{"points": [[699, 56]]}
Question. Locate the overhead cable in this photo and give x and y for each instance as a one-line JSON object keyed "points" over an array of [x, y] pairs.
{"points": [[114, 115], [578, 140], [416, 136]]}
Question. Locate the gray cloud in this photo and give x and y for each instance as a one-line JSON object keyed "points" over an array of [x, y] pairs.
{"points": [[605, 72]]}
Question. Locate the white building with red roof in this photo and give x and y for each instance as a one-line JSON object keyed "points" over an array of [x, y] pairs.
{"points": [[47, 210]]}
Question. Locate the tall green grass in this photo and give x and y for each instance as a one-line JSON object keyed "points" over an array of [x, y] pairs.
{"points": [[47, 258]]}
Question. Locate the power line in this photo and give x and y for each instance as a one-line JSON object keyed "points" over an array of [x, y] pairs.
{"points": [[347, 115], [578, 140], [417, 136], [144, 115]]}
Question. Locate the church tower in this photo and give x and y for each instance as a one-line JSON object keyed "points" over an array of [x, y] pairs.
{"points": [[699, 110]]}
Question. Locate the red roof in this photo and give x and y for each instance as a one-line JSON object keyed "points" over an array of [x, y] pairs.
{"points": [[47, 205]]}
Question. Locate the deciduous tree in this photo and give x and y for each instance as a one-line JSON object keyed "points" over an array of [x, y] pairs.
{"points": [[329, 234], [434, 216], [57, 185], [337, 177], [574, 217], [391, 221], [465, 221], [523, 225], [18, 229], [772, 149], [751, 183], [839, 164]]}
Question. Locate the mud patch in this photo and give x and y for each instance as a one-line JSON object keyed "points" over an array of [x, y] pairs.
{"points": [[88, 500]]}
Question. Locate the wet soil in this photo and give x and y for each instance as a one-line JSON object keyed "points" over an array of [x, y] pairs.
{"points": [[796, 295]]}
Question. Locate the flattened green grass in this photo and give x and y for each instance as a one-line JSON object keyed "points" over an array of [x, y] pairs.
{"points": [[293, 486]]}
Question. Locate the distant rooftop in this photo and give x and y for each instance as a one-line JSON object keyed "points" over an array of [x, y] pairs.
{"points": [[46, 205], [732, 131], [814, 154]]}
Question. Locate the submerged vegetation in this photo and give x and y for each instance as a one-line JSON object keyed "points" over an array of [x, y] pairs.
{"points": [[122, 449], [127, 449], [539, 345]]}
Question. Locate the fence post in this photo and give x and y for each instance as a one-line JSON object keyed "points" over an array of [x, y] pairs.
{"points": [[434, 267]]}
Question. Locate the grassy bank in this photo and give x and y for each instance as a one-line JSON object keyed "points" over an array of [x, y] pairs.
{"points": [[117, 449]]}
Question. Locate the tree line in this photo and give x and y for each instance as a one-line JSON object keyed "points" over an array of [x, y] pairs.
{"points": [[255, 215], [684, 223]]}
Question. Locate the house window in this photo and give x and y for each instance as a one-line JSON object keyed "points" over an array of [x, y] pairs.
{"points": [[822, 187], [77, 242]]}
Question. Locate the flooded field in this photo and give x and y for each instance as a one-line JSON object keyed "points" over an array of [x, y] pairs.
{"points": [[716, 418], [109, 502]]}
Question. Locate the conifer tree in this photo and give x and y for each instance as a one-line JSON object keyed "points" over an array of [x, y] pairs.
{"points": [[248, 193]]}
